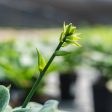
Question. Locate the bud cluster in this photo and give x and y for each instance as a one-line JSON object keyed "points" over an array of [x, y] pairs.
{"points": [[69, 35]]}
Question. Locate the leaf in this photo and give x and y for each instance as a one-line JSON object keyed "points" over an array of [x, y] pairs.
{"points": [[61, 53], [50, 106], [35, 107], [4, 98], [8, 109], [72, 42], [18, 109], [41, 61]]}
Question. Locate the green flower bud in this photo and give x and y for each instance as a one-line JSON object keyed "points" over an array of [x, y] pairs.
{"points": [[68, 36]]}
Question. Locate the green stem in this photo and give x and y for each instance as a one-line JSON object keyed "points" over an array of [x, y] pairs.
{"points": [[32, 91]]}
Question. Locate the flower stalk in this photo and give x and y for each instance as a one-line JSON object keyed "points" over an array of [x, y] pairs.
{"points": [[68, 30]]}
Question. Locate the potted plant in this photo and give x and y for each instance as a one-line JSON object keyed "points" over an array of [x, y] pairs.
{"points": [[68, 75], [98, 55]]}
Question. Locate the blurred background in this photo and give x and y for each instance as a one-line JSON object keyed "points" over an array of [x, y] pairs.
{"points": [[81, 81]]}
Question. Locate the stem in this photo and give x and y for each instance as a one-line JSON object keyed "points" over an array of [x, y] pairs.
{"points": [[32, 91]]}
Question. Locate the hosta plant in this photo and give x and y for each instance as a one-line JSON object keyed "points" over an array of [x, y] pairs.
{"points": [[68, 36]]}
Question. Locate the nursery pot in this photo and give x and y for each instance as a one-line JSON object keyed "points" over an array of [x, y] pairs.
{"points": [[67, 79], [102, 96]]}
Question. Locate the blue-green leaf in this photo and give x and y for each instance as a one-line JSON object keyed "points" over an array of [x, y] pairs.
{"points": [[50, 106], [41, 61], [22, 109], [35, 107], [4, 98], [8, 109]]}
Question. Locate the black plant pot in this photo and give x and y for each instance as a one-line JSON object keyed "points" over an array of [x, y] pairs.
{"points": [[102, 97], [66, 81]]}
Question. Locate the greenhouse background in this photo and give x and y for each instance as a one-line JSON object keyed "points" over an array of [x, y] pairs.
{"points": [[53, 12], [80, 81]]}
